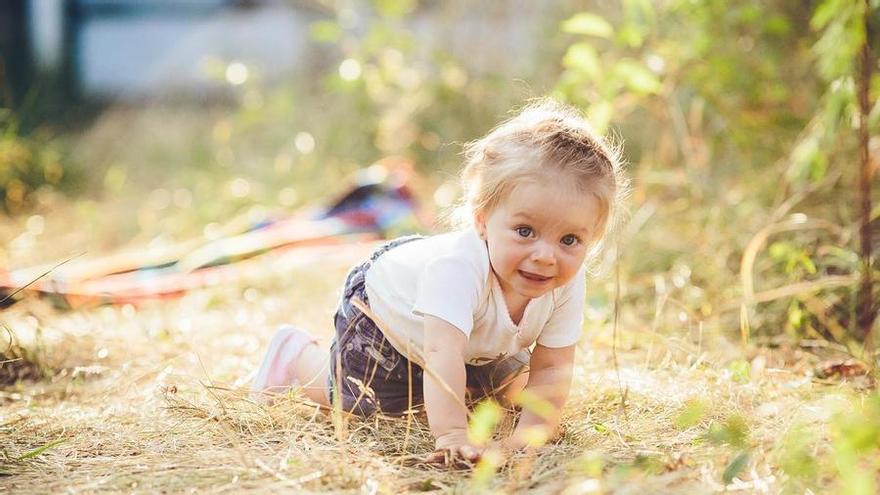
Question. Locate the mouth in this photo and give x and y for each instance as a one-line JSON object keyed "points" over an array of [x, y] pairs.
{"points": [[534, 277]]}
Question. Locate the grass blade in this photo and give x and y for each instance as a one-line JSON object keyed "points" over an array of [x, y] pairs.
{"points": [[39, 450]]}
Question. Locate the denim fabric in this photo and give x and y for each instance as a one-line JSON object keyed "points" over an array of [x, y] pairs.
{"points": [[374, 376]]}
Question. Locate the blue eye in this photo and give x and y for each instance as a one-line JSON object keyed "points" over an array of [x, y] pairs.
{"points": [[570, 239], [524, 231]]}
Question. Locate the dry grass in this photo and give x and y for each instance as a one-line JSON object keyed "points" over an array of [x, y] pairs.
{"points": [[145, 400]]}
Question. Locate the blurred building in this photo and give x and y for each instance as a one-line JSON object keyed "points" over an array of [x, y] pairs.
{"points": [[136, 49], [131, 49]]}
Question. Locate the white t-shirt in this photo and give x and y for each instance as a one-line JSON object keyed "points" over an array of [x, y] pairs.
{"points": [[448, 276]]}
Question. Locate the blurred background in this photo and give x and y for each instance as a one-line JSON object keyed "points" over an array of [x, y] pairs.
{"points": [[127, 124]]}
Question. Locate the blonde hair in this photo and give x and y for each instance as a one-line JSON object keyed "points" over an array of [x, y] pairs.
{"points": [[544, 137]]}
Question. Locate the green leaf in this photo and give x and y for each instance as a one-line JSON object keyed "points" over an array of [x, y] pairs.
{"points": [[631, 35], [808, 161], [858, 482], [795, 315], [649, 464], [734, 431], [857, 432], [636, 77], [591, 464], [807, 263], [874, 114], [824, 13], [486, 468], [735, 467], [740, 370], [838, 46], [394, 8], [796, 458], [690, 414], [840, 102], [583, 57], [325, 31], [39, 450], [777, 25], [641, 10], [588, 24], [600, 115], [483, 421]]}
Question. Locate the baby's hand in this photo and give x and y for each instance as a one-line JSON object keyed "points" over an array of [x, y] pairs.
{"points": [[454, 447], [520, 441], [507, 446]]}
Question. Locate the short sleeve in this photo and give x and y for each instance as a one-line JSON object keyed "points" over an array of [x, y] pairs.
{"points": [[449, 289], [566, 322]]}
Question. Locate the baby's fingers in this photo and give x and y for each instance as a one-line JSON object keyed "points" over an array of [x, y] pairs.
{"points": [[438, 457], [469, 453], [464, 455]]}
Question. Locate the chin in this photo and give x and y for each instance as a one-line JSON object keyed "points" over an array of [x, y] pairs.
{"points": [[533, 293]]}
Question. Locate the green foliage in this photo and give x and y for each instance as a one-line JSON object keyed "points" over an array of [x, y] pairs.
{"points": [[602, 84], [843, 33], [39, 450], [792, 257], [740, 370], [638, 467], [735, 114], [732, 113], [796, 457], [400, 98], [590, 464], [859, 432], [650, 464], [483, 421], [28, 163], [729, 111], [854, 455], [690, 414], [481, 427], [486, 469], [588, 24], [733, 431], [394, 8], [855, 437], [325, 31], [736, 466]]}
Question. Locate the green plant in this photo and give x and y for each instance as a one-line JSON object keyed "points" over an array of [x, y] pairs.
{"points": [[28, 163], [739, 122]]}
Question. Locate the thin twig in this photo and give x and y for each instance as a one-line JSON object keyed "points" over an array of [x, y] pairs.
{"points": [[621, 388]]}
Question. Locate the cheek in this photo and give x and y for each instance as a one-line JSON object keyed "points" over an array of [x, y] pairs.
{"points": [[569, 264], [508, 256]]}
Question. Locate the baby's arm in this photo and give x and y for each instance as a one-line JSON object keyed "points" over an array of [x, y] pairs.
{"points": [[550, 371], [444, 387]]}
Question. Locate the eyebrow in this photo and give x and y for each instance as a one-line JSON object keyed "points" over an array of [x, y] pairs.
{"points": [[530, 218], [523, 214]]}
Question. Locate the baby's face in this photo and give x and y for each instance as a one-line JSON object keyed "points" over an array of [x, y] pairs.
{"points": [[538, 236]]}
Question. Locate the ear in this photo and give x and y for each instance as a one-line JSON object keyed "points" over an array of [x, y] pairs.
{"points": [[480, 224]]}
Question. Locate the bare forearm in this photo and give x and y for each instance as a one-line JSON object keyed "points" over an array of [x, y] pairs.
{"points": [[444, 386], [549, 389]]}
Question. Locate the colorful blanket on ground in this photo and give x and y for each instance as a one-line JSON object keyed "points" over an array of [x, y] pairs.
{"points": [[379, 201]]}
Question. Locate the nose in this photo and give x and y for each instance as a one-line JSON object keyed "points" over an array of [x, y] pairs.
{"points": [[544, 253]]}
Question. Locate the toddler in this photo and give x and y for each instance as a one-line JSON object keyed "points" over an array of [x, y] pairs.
{"points": [[484, 311]]}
